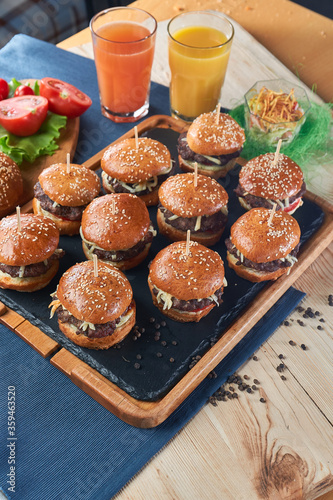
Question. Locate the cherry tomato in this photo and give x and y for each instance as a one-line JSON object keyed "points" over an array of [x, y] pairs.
{"points": [[23, 115], [4, 89], [23, 90], [64, 98]]}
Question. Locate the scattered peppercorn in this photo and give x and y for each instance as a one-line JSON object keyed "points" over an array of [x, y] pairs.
{"points": [[137, 366], [281, 355], [319, 327], [291, 342], [262, 400], [255, 358], [286, 323], [283, 377], [303, 346]]}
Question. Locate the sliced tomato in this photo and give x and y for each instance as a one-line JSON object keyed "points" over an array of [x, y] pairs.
{"points": [[24, 115], [64, 99]]}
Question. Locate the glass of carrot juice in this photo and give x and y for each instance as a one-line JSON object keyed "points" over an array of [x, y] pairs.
{"points": [[199, 47], [123, 41]]}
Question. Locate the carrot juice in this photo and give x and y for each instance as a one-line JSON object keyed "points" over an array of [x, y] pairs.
{"points": [[198, 59], [123, 52]]}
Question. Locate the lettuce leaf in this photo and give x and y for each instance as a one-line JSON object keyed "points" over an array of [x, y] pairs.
{"points": [[31, 147]]}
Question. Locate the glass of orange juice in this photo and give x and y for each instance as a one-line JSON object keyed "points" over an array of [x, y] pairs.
{"points": [[199, 48], [123, 41]]}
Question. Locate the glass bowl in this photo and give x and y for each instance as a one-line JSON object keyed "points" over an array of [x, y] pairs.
{"points": [[273, 110]]}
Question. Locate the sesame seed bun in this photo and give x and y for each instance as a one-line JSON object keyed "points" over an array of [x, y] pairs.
{"points": [[179, 195], [97, 300], [206, 137], [11, 185], [35, 242], [197, 275], [76, 188], [115, 231], [260, 242], [275, 181], [125, 162]]}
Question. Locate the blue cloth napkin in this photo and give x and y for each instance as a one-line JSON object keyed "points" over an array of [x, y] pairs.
{"points": [[67, 446], [26, 57]]}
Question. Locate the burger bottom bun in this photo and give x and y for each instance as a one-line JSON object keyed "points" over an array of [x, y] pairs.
{"points": [[245, 205], [252, 274], [176, 314], [99, 343], [29, 284], [178, 235], [150, 199], [213, 172], [65, 226], [123, 265]]}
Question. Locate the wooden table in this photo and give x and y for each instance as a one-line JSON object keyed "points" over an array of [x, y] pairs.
{"points": [[243, 449]]}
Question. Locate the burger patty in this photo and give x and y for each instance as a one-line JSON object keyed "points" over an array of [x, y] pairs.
{"points": [[101, 330], [70, 213], [258, 201], [211, 223], [193, 304], [32, 270], [120, 255], [186, 153], [271, 266], [119, 188]]}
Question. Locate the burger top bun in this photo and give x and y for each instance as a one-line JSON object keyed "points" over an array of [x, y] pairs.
{"points": [[35, 242], [11, 185], [179, 195], [95, 299], [119, 230], [276, 181], [194, 276], [126, 162], [206, 137], [72, 189], [260, 241]]}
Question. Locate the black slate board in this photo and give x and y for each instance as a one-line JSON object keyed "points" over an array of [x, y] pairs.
{"points": [[163, 362]]}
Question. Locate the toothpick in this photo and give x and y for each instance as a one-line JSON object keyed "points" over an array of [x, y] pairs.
{"points": [[195, 174], [277, 152], [136, 137], [218, 107], [68, 163], [272, 214], [18, 213], [95, 259], [188, 239]]}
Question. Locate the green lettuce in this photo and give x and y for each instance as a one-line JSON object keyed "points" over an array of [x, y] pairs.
{"points": [[31, 147]]}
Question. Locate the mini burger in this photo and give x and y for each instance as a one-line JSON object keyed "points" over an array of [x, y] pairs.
{"points": [[263, 244], [213, 144], [29, 257], [136, 170], [95, 309], [11, 185], [186, 286], [62, 194], [117, 228], [199, 206], [264, 182]]}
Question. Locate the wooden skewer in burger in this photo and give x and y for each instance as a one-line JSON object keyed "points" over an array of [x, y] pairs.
{"points": [[94, 305], [192, 202], [62, 193], [186, 280]]}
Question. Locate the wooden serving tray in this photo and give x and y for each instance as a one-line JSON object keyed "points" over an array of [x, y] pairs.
{"points": [[147, 414]]}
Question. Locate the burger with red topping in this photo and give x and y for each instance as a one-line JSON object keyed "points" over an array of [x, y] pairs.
{"points": [[136, 167], [186, 286], [264, 182], [95, 309], [117, 228], [213, 143], [63, 192], [29, 253], [198, 204], [263, 244]]}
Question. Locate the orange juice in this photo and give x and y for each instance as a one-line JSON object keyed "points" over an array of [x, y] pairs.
{"points": [[124, 52], [198, 58]]}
